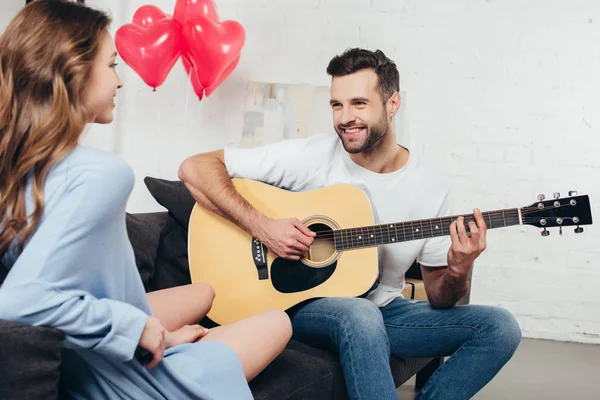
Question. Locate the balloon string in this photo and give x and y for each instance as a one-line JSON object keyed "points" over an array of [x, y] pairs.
{"points": [[158, 117], [187, 102]]}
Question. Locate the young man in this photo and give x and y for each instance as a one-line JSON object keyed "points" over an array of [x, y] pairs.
{"points": [[365, 99]]}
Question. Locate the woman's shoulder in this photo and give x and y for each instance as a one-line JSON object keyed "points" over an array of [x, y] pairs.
{"points": [[89, 161], [86, 164], [92, 170]]}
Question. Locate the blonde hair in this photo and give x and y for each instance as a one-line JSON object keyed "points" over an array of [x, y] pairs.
{"points": [[46, 57]]}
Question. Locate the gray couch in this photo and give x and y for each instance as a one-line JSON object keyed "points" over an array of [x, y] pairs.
{"points": [[30, 356]]}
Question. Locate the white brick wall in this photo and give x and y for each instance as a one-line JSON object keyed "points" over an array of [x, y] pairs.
{"points": [[505, 95]]}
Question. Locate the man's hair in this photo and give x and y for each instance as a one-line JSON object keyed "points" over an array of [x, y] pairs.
{"points": [[354, 60]]}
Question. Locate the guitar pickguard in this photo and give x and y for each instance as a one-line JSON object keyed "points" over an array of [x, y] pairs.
{"points": [[290, 276]]}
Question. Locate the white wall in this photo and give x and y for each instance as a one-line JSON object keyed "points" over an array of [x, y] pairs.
{"points": [[8, 8], [505, 95]]}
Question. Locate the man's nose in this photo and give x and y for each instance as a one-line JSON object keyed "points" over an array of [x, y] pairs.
{"points": [[347, 116]]}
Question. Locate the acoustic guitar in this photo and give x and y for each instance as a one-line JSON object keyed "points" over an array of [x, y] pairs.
{"points": [[342, 261]]}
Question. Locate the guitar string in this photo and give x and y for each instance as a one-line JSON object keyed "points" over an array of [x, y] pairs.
{"points": [[371, 241], [384, 237], [497, 218], [375, 240], [383, 230]]}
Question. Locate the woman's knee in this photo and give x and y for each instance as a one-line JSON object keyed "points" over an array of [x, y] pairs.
{"points": [[203, 293], [205, 289], [278, 320]]}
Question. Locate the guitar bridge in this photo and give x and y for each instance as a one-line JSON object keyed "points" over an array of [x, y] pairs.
{"points": [[259, 255]]}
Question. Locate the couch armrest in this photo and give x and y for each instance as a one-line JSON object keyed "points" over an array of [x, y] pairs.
{"points": [[30, 358]]}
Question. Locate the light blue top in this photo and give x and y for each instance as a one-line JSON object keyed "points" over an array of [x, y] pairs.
{"points": [[77, 273]]}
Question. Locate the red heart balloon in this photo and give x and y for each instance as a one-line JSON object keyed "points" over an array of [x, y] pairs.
{"points": [[148, 16], [209, 90], [212, 46], [185, 9], [198, 88], [152, 51]]}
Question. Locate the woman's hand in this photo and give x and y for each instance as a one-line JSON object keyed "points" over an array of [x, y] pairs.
{"points": [[153, 340], [156, 339], [185, 334]]}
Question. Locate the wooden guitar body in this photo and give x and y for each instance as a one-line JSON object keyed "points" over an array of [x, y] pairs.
{"points": [[225, 256]]}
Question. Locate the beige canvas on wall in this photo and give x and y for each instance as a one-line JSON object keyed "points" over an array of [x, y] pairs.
{"points": [[275, 112]]}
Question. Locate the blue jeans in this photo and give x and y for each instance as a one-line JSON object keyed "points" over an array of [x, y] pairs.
{"points": [[478, 339]]}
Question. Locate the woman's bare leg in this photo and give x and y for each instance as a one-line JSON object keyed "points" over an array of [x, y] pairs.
{"points": [[256, 340], [182, 305]]}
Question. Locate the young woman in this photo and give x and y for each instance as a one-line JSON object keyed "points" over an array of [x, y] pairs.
{"points": [[63, 237]]}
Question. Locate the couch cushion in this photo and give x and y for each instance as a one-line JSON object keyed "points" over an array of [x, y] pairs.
{"points": [[30, 361], [402, 369], [293, 375], [144, 232]]}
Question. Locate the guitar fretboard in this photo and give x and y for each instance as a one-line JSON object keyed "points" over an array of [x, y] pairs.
{"points": [[375, 235]]}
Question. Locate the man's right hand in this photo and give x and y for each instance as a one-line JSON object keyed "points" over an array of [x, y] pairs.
{"points": [[287, 238]]}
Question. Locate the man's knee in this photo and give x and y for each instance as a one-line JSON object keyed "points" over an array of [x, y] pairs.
{"points": [[505, 329], [358, 317], [514, 333]]}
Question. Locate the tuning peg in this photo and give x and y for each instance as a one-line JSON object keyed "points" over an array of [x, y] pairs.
{"points": [[572, 193], [541, 197], [556, 195], [578, 229], [545, 232]]}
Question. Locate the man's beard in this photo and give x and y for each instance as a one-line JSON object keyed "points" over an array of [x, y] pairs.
{"points": [[372, 135]]}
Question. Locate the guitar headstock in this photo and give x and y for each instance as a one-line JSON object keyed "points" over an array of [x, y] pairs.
{"points": [[558, 212]]}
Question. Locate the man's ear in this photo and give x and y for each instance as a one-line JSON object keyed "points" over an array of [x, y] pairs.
{"points": [[393, 104]]}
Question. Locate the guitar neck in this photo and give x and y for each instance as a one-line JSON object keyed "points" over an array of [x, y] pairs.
{"points": [[376, 235]]}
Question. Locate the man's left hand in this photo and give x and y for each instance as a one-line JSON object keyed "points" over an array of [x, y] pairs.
{"points": [[465, 249]]}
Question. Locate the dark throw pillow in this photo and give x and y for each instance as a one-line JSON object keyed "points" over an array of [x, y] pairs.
{"points": [[144, 234], [172, 267], [174, 196]]}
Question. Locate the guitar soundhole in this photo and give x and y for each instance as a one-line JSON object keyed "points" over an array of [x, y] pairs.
{"points": [[289, 276], [323, 248]]}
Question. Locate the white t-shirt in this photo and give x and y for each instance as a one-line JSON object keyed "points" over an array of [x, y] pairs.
{"points": [[416, 191]]}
